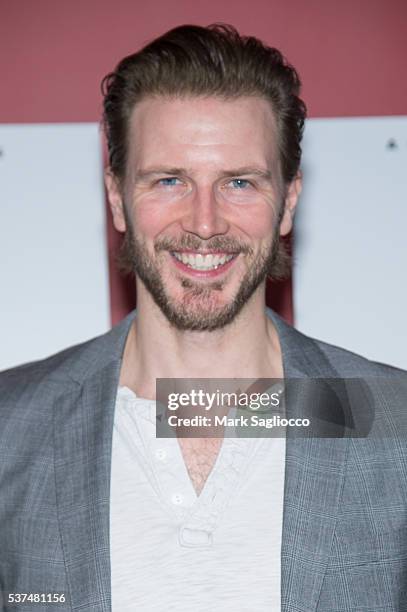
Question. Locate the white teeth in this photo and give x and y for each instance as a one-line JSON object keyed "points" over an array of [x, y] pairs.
{"points": [[202, 262]]}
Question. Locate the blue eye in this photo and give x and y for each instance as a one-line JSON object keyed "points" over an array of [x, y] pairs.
{"points": [[171, 181], [240, 183]]}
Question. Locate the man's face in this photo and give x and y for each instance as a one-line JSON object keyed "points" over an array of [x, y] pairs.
{"points": [[201, 204]]}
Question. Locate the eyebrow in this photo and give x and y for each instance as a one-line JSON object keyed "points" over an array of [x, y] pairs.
{"points": [[174, 171]]}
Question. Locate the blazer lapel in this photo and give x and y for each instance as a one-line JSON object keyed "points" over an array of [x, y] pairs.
{"points": [[83, 428], [314, 477]]}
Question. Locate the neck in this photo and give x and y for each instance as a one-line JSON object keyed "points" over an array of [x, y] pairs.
{"points": [[246, 348]]}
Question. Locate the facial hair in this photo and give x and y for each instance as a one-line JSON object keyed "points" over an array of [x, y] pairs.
{"points": [[199, 309]]}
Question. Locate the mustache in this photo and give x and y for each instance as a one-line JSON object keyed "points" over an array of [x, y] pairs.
{"points": [[225, 244]]}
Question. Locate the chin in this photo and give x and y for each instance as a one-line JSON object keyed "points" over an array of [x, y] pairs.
{"points": [[200, 311]]}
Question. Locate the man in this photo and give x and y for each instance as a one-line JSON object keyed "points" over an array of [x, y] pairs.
{"points": [[204, 131]]}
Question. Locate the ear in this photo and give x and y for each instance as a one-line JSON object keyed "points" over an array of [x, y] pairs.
{"points": [[290, 203], [114, 196]]}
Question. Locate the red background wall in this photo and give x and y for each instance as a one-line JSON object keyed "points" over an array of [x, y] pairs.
{"points": [[350, 55]]}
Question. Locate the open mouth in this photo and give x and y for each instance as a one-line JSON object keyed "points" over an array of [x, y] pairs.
{"points": [[204, 262]]}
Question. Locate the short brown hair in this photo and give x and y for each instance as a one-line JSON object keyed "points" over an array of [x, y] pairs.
{"points": [[201, 61]]}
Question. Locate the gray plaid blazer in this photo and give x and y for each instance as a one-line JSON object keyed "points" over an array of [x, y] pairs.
{"points": [[344, 545]]}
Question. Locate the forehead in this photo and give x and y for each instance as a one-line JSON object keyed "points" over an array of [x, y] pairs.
{"points": [[202, 130]]}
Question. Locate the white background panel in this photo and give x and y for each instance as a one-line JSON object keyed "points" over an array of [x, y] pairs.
{"points": [[350, 285], [53, 254], [350, 246]]}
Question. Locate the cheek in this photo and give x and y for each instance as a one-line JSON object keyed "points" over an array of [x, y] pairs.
{"points": [[151, 220], [257, 223]]}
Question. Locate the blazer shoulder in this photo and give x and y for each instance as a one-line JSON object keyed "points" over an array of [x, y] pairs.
{"points": [[67, 368], [319, 358], [373, 394], [351, 364]]}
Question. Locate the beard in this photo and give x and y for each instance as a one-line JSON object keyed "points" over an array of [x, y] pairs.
{"points": [[198, 309]]}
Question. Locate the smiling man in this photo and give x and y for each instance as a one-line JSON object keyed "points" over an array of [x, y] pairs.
{"points": [[203, 230], [101, 513]]}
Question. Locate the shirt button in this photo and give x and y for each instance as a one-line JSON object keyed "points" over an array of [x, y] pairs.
{"points": [[160, 454], [177, 499]]}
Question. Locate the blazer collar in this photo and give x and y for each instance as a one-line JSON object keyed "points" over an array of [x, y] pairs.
{"points": [[314, 477], [83, 430]]}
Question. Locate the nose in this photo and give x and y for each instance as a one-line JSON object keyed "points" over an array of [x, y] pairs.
{"points": [[204, 216]]}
